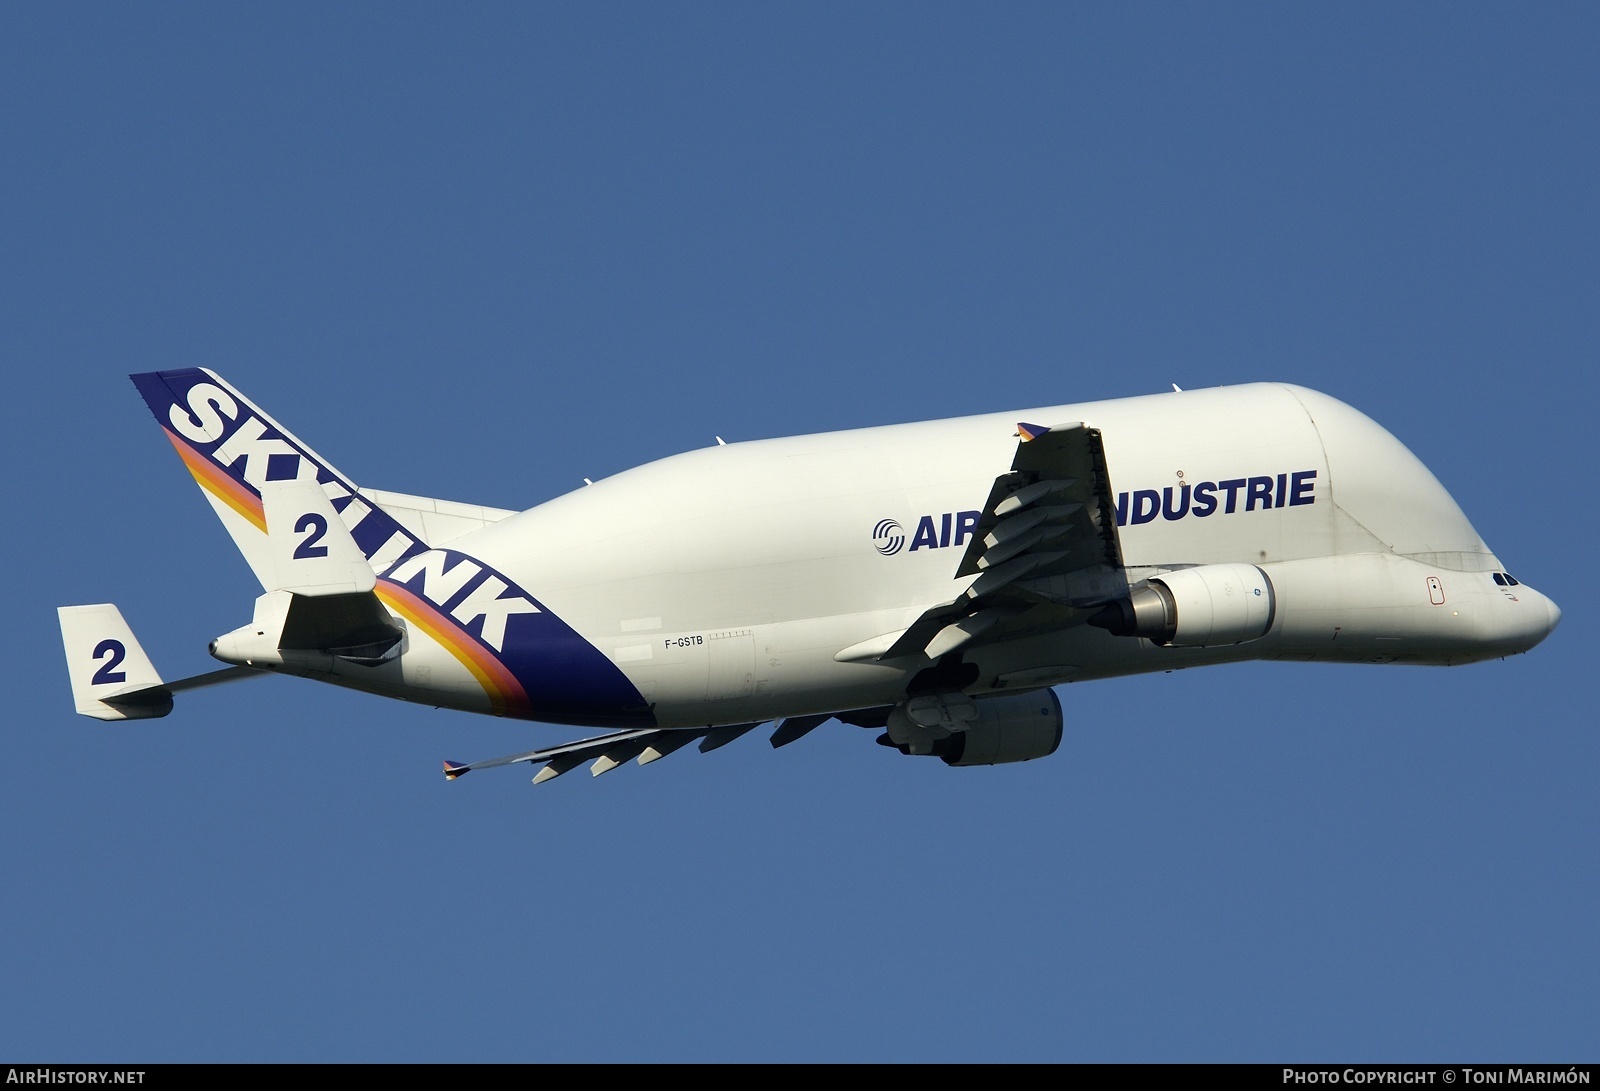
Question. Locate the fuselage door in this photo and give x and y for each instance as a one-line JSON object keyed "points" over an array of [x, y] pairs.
{"points": [[731, 664]]}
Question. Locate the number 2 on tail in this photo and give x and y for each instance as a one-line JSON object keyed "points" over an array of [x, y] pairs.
{"points": [[108, 670], [309, 549]]}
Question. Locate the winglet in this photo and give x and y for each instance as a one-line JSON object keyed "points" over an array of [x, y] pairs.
{"points": [[1030, 431], [454, 769]]}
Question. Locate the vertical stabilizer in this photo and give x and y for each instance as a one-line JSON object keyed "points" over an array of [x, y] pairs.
{"points": [[234, 450], [359, 579]]}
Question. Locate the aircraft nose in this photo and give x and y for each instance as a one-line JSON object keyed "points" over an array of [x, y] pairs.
{"points": [[1524, 619], [1538, 623]]}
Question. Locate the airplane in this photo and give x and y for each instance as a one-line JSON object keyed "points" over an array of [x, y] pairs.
{"points": [[930, 581]]}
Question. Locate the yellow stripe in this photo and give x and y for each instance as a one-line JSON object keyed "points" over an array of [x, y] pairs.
{"points": [[444, 638], [205, 475]]}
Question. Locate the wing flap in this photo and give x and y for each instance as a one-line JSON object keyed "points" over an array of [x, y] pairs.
{"points": [[796, 727], [1064, 466], [1047, 535]]}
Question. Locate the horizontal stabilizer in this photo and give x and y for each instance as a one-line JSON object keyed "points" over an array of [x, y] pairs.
{"points": [[134, 703], [112, 677], [211, 678]]}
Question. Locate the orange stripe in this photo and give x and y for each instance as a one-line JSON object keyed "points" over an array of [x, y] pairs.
{"points": [[215, 480], [505, 693]]}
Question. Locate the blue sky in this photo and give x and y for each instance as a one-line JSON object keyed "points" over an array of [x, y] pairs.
{"points": [[483, 254]]}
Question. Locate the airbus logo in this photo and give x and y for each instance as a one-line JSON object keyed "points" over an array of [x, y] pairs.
{"points": [[933, 532], [888, 537]]}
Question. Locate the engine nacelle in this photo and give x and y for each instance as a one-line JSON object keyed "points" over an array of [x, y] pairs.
{"points": [[1016, 727], [964, 730], [1206, 607]]}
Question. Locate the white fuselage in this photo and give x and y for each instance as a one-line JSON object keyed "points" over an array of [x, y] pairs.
{"points": [[723, 582]]}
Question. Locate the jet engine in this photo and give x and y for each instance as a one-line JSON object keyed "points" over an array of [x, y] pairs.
{"points": [[962, 730], [1205, 607]]}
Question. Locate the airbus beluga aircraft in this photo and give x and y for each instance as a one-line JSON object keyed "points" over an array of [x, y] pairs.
{"points": [[931, 581]]}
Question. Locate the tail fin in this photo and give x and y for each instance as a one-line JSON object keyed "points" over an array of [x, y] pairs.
{"points": [[105, 662], [497, 631], [233, 449]]}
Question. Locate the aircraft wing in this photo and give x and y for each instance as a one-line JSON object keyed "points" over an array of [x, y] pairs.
{"points": [[1045, 547], [644, 745]]}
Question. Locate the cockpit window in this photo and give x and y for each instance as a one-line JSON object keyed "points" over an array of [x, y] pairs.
{"points": [[1498, 578], [1512, 580]]}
